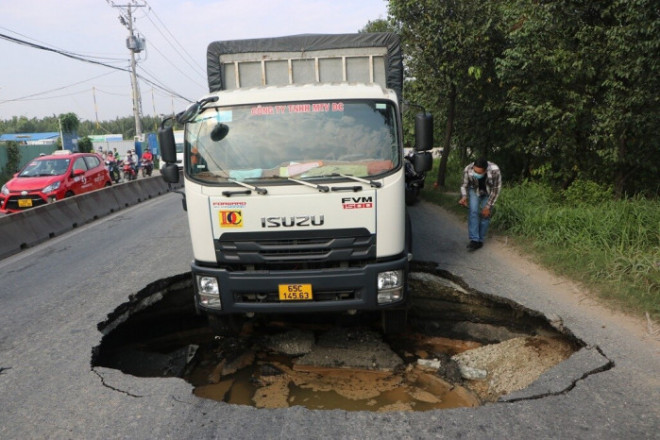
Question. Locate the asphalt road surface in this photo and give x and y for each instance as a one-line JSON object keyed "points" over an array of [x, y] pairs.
{"points": [[53, 296]]}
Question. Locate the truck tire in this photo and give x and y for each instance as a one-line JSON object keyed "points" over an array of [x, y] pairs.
{"points": [[226, 325], [411, 195], [409, 234], [394, 321]]}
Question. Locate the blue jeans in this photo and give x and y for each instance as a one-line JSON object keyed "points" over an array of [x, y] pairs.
{"points": [[477, 225]]}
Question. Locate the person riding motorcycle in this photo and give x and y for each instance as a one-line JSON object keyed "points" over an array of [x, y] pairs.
{"points": [[111, 165], [147, 162], [131, 163]]}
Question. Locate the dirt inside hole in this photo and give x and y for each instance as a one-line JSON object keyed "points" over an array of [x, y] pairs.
{"points": [[462, 349]]}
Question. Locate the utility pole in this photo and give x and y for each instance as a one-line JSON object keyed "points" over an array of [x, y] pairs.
{"points": [[59, 121], [135, 44], [96, 109]]}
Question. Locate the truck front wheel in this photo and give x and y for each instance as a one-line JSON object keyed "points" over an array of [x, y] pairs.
{"points": [[394, 321], [226, 325]]}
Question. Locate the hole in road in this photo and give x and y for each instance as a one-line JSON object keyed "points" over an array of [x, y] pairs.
{"points": [[462, 348]]}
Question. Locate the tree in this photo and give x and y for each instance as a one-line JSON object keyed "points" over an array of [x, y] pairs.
{"points": [[627, 117], [85, 144], [450, 48], [13, 160], [70, 122], [550, 83], [379, 25], [579, 76]]}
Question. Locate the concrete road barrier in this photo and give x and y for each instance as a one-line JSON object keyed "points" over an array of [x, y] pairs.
{"points": [[22, 230]]}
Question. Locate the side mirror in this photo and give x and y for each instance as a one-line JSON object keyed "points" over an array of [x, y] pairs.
{"points": [[170, 173], [219, 132], [194, 109], [189, 113], [78, 172], [423, 131], [422, 162], [167, 143]]}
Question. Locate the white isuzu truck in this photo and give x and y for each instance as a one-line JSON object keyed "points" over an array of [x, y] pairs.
{"points": [[294, 178]]}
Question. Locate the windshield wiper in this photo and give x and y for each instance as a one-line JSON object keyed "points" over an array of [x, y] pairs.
{"points": [[372, 183], [320, 188], [259, 190]]}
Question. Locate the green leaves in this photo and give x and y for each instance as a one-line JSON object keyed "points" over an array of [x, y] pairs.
{"points": [[568, 86], [451, 46], [70, 122]]}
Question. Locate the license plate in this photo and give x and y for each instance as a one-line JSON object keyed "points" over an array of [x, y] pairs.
{"points": [[295, 292], [24, 203]]}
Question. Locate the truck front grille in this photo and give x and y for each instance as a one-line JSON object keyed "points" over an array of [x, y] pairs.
{"points": [[296, 249], [273, 297]]}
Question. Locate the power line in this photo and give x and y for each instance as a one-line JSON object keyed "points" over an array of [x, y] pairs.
{"points": [[57, 48], [197, 68], [26, 97], [175, 66], [52, 97], [57, 51], [113, 93], [86, 60]]}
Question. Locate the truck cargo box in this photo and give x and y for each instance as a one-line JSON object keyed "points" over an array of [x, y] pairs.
{"points": [[305, 59]]}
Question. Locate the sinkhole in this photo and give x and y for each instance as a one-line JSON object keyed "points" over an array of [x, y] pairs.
{"points": [[462, 348]]}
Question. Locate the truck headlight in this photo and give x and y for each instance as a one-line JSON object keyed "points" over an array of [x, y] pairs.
{"points": [[50, 188], [209, 292], [390, 286]]}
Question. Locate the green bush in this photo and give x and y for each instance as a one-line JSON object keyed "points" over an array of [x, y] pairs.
{"points": [[587, 192], [13, 161], [612, 246]]}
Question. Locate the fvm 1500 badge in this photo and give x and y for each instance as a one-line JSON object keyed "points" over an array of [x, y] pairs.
{"points": [[357, 202]]}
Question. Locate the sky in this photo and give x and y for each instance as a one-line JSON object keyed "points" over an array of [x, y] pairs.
{"points": [[36, 83]]}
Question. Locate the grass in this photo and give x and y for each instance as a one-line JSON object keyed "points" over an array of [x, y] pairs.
{"points": [[612, 246]]}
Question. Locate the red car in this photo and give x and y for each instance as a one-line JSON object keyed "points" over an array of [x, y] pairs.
{"points": [[49, 178]]}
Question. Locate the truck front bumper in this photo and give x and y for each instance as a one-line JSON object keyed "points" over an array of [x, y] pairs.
{"points": [[332, 290]]}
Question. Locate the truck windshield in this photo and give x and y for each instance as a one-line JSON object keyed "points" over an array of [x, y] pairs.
{"points": [[303, 140]]}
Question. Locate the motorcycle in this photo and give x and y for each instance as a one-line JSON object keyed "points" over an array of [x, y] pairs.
{"points": [[416, 164], [147, 167], [129, 171], [113, 170]]}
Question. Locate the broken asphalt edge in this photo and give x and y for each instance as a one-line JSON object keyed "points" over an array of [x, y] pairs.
{"points": [[564, 376]]}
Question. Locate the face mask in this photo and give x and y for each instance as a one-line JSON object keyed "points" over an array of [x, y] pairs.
{"points": [[477, 175]]}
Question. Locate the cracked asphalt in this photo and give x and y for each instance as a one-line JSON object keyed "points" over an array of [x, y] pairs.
{"points": [[54, 295]]}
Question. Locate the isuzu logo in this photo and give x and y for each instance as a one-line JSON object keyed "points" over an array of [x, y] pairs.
{"points": [[291, 221]]}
